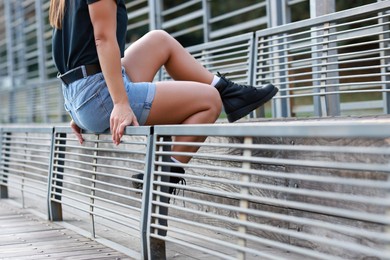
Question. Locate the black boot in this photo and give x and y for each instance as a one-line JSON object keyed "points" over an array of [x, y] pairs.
{"points": [[176, 180], [240, 100], [138, 184], [173, 179]]}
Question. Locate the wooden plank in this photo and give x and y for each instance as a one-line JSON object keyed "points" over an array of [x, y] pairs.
{"points": [[46, 235], [25, 236]]}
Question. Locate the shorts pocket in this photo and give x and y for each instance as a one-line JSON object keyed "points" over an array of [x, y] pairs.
{"points": [[93, 115], [86, 94]]}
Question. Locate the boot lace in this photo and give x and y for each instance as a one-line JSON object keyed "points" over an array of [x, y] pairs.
{"points": [[230, 83], [176, 191]]}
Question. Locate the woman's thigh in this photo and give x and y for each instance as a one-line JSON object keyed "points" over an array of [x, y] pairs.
{"points": [[176, 101]]}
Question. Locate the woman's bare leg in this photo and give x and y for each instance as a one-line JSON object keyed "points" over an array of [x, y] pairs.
{"points": [[157, 48], [180, 102], [188, 100]]}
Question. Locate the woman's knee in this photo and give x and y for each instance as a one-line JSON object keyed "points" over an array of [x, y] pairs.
{"points": [[159, 36], [215, 102]]}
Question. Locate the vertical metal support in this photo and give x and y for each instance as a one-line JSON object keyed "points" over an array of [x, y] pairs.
{"points": [[1, 162], [157, 246], [56, 175], [39, 15], [316, 70], [385, 70], [332, 82], [147, 194], [40, 39], [255, 54], [93, 186], [155, 14], [4, 144], [50, 175], [162, 210], [155, 208], [152, 14], [323, 54], [276, 12], [10, 58], [384, 44], [387, 228], [31, 93], [206, 20], [20, 41], [10, 40], [23, 168], [258, 50], [244, 203]]}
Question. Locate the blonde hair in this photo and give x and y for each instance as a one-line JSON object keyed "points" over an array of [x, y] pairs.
{"points": [[56, 13]]}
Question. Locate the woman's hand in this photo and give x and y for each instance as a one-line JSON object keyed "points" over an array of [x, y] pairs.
{"points": [[121, 116], [77, 131]]}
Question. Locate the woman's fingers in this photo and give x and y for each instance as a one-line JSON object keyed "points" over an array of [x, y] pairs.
{"points": [[77, 131], [121, 116]]}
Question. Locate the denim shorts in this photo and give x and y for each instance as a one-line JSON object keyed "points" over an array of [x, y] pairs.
{"points": [[89, 103]]}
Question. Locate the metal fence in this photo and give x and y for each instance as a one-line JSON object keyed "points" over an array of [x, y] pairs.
{"points": [[276, 190], [332, 65], [25, 42]]}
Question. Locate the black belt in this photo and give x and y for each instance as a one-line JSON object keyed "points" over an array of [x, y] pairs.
{"points": [[79, 73]]}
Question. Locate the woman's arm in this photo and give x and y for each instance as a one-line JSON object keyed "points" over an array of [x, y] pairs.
{"points": [[103, 17]]}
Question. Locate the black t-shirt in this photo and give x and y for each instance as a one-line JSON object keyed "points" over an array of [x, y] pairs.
{"points": [[74, 45]]}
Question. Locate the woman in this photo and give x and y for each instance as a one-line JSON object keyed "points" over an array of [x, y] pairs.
{"points": [[107, 87]]}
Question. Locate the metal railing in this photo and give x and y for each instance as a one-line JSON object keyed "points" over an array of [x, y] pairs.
{"points": [[329, 65], [198, 18], [275, 190]]}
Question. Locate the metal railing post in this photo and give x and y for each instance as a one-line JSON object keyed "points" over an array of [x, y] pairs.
{"points": [[152, 14], [244, 203], [259, 112], [157, 246], [385, 61], [388, 217], [40, 32], [31, 114], [10, 58], [146, 195], [55, 176], [281, 105], [324, 105], [3, 161], [93, 186], [206, 20], [40, 39]]}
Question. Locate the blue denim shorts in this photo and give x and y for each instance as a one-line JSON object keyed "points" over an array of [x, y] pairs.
{"points": [[89, 103]]}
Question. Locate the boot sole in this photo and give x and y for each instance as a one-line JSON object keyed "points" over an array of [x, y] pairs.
{"points": [[249, 108]]}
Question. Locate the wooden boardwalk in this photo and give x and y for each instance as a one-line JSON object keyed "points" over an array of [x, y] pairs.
{"points": [[23, 235]]}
